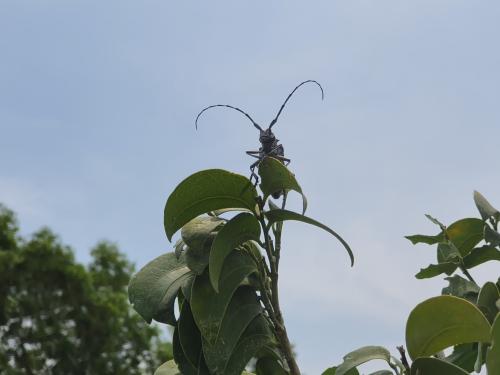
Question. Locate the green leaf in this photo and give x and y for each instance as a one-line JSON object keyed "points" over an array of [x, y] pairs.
{"points": [[460, 287], [486, 301], [197, 258], [189, 335], [197, 231], [208, 306], [465, 234], [382, 372], [493, 353], [243, 308], [422, 238], [256, 336], [275, 177], [241, 228], [331, 371], [282, 215], [441, 322], [153, 289], [362, 355], [491, 237], [480, 255], [485, 208], [185, 367], [436, 269], [447, 252], [206, 191], [464, 356], [269, 366], [168, 368], [435, 366]]}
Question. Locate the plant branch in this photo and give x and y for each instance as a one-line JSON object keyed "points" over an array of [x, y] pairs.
{"points": [[274, 310]]}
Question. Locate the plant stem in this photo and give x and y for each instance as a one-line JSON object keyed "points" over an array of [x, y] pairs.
{"points": [[467, 274], [274, 310]]}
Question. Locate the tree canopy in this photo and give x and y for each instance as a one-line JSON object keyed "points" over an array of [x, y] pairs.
{"points": [[60, 317]]}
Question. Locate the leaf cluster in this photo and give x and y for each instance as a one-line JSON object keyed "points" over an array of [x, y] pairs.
{"points": [[222, 274], [465, 317]]}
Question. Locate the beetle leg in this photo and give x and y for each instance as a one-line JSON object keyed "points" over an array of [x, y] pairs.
{"points": [[254, 154], [253, 174]]}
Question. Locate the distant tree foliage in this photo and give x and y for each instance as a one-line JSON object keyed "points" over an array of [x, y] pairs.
{"points": [[60, 317]]}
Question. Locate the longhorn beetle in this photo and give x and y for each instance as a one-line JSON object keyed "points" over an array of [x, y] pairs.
{"points": [[269, 142]]}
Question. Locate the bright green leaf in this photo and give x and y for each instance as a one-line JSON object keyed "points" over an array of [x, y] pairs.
{"points": [[441, 322], [168, 368], [208, 306], [435, 366], [282, 215], [436, 269], [241, 228], [460, 287], [206, 191], [486, 301], [493, 353], [275, 177], [485, 208], [197, 231], [152, 290], [362, 355], [480, 255], [243, 308]]}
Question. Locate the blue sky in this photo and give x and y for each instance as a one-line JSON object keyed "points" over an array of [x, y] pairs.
{"points": [[97, 108]]}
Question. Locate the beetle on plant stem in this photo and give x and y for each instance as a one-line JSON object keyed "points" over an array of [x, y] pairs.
{"points": [[269, 142]]}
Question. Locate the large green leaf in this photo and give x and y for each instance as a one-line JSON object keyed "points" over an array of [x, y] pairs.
{"points": [[152, 290], [206, 191], [197, 231], [282, 215], [480, 255], [168, 368], [362, 355], [435, 366], [436, 269], [208, 306], [486, 301], [243, 308], [256, 337], [485, 208], [275, 177], [493, 353], [441, 322], [460, 287], [241, 228]]}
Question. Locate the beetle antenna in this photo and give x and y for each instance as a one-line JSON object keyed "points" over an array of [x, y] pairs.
{"points": [[290, 95], [228, 106]]}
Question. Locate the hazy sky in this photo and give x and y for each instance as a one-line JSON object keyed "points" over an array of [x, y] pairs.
{"points": [[97, 108]]}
